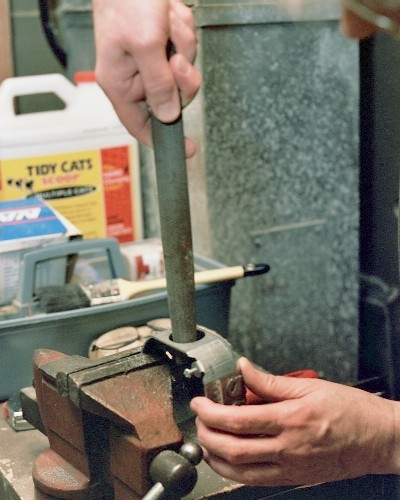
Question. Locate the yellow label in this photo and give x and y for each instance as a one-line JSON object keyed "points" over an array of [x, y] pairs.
{"points": [[78, 185]]}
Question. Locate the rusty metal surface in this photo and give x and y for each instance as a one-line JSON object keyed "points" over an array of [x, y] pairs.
{"points": [[66, 470], [111, 367], [104, 420], [141, 401], [55, 476], [141, 404], [62, 370], [122, 492]]}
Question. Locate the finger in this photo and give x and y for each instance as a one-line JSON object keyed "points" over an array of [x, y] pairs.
{"points": [[118, 74], [238, 449], [187, 77], [136, 119], [116, 69], [253, 399], [354, 27], [129, 103], [127, 96], [184, 12], [135, 116], [190, 147], [273, 388], [241, 420], [254, 474], [184, 38], [183, 31], [148, 46], [159, 84]]}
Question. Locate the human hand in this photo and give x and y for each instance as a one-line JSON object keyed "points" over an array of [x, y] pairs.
{"points": [[354, 27], [132, 67], [308, 431]]}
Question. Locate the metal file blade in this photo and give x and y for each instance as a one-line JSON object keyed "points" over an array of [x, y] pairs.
{"points": [[176, 233]]}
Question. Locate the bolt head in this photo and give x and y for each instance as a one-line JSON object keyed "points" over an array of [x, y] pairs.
{"points": [[192, 452]]}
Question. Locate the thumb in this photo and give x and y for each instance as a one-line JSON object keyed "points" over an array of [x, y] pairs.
{"points": [[266, 387]]}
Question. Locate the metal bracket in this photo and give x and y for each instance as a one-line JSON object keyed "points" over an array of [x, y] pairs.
{"points": [[210, 358]]}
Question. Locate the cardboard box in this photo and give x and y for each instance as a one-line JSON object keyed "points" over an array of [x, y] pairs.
{"points": [[25, 225]]}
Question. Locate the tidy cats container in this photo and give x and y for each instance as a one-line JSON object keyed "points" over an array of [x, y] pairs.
{"points": [[80, 159]]}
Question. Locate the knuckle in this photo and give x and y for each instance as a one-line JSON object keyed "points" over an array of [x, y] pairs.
{"points": [[200, 433], [239, 424], [147, 41], [184, 12], [236, 454]]}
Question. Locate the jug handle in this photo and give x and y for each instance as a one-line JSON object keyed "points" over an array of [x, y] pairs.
{"points": [[55, 83]]}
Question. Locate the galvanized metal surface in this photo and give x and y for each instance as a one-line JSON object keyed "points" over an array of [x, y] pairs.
{"points": [[230, 12], [282, 185]]}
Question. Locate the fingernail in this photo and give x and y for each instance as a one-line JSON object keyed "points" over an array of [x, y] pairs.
{"points": [[167, 112], [243, 362]]}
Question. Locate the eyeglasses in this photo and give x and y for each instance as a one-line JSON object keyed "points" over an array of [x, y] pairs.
{"points": [[365, 10]]}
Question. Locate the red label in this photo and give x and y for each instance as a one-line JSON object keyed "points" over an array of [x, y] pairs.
{"points": [[117, 185]]}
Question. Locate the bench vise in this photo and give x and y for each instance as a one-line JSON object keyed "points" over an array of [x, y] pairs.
{"points": [[118, 424]]}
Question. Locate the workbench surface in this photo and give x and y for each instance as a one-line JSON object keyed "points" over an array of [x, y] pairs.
{"points": [[19, 449], [17, 453]]}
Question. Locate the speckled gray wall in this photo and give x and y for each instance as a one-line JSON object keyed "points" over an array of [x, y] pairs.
{"points": [[281, 156]]}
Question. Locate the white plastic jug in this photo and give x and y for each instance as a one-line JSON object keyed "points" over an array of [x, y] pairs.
{"points": [[80, 159]]}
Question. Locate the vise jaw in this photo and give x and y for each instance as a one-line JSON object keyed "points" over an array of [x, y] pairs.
{"points": [[105, 421]]}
